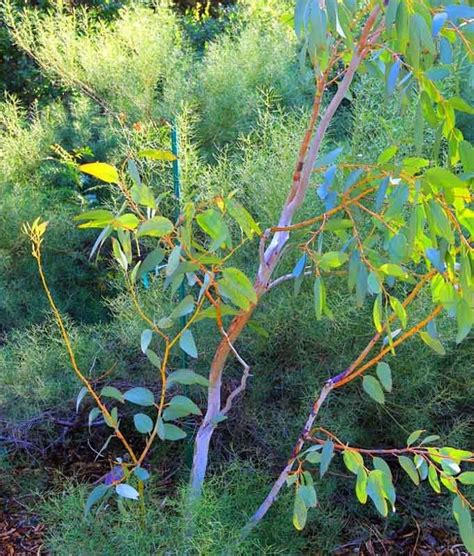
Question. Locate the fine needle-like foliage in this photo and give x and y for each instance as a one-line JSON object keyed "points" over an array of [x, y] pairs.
{"points": [[393, 230]]}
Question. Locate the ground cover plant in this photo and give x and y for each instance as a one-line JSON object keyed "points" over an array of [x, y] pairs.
{"points": [[378, 240]]}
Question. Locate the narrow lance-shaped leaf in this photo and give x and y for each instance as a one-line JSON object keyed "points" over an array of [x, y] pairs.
{"points": [[392, 76], [326, 456], [319, 297], [414, 436], [377, 313]]}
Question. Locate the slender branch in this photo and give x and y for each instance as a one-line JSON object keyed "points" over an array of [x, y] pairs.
{"points": [[328, 387], [320, 217], [285, 278], [36, 241], [381, 451], [383, 352], [378, 335], [243, 381], [277, 486]]}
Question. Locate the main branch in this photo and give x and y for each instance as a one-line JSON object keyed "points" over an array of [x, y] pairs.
{"points": [[271, 255]]}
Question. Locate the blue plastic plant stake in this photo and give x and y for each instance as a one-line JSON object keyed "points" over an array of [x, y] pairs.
{"points": [[177, 194]]}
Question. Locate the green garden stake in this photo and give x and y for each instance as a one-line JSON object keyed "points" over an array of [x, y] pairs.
{"points": [[177, 194]]}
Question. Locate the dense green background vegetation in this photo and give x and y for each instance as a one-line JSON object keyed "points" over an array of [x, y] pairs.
{"points": [[230, 78]]}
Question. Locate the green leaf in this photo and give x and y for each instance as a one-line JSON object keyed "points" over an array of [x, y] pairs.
{"points": [[212, 223], [143, 195], [441, 221], [184, 404], [119, 255], [112, 392], [384, 375], [141, 474], [152, 260], [328, 159], [361, 485], [430, 438], [187, 377], [422, 466], [319, 297], [125, 221], [313, 457], [448, 482], [454, 453], [157, 226], [82, 394], [172, 432], [409, 467], [93, 414], [372, 386], [160, 429], [387, 485], [382, 465], [308, 494], [458, 103], [157, 154], [373, 283], [95, 496], [145, 339], [237, 287], [300, 512], [441, 178], [387, 154], [185, 307], [433, 478], [433, 343], [465, 319], [143, 423], [414, 436], [172, 414], [140, 396], [333, 259], [133, 172], [462, 515], [173, 260], [376, 492], [127, 491], [377, 313], [243, 218], [353, 461], [98, 218], [211, 312], [450, 467], [101, 171], [187, 344], [326, 456], [153, 358], [332, 11], [112, 419], [399, 310], [394, 270], [466, 478], [336, 224]]}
